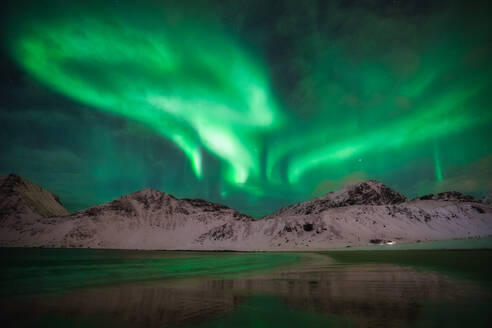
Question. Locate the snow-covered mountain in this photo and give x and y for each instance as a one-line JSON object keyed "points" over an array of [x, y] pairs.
{"points": [[20, 197], [24, 208], [147, 219], [358, 214]]}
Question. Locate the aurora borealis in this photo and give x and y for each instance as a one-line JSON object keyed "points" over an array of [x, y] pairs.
{"points": [[254, 104]]}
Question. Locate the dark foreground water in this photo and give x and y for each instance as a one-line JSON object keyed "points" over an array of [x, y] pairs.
{"points": [[98, 288]]}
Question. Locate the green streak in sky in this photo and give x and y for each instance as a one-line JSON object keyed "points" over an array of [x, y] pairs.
{"points": [[437, 163], [280, 114], [193, 86], [446, 117]]}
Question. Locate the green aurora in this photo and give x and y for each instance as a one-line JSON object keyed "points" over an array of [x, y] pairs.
{"points": [[248, 103]]}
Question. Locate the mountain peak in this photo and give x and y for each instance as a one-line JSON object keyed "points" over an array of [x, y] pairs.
{"points": [[19, 195], [149, 193], [369, 192], [12, 180]]}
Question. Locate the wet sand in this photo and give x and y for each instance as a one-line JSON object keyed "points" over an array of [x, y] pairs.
{"points": [[312, 291]]}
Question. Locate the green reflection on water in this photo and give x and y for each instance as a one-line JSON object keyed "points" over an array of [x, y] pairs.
{"points": [[36, 271], [308, 294]]}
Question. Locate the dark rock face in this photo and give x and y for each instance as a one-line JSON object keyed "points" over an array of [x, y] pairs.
{"points": [[449, 196], [219, 233], [123, 206], [372, 193], [9, 183], [307, 227], [207, 206], [478, 209]]}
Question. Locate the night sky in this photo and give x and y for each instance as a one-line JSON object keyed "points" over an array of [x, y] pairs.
{"points": [[253, 104]]}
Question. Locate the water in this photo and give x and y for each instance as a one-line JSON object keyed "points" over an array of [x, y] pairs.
{"points": [[84, 288]]}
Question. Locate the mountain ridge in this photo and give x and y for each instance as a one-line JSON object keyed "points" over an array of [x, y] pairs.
{"points": [[369, 192], [357, 214]]}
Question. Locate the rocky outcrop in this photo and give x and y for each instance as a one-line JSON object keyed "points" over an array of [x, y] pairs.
{"points": [[454, 196]]}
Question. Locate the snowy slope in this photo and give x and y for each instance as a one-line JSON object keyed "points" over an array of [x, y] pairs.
{"points": [[147, 219], [358, 214], [25, 209]]}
